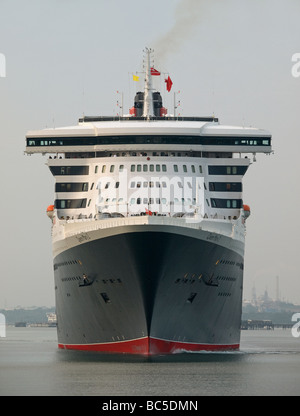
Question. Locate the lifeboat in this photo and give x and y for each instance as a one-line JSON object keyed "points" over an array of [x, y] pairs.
{"points": [[50, 211], [246, 211]]}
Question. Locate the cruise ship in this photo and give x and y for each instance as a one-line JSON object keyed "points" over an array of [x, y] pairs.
{"points": [[148, 227]]}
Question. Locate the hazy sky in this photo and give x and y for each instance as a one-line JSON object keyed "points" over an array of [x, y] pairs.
{"points": [[231, 58]]}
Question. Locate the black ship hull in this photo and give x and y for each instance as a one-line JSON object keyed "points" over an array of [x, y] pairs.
{"points": [[149, 292]]}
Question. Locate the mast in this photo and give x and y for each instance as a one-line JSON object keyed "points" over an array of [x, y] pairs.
{"points": [[148, 95]]}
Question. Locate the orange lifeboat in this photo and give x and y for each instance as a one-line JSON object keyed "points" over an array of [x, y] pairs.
{"points": [[50, 210], [246, 211]]}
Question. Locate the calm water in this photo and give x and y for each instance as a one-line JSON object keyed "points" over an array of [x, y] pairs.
{"points": [[31, 364]]}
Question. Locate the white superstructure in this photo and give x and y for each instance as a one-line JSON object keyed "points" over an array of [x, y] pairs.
{"points": [[177, 167]]}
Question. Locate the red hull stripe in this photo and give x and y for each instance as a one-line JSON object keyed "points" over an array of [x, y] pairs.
{"points": [[136, 346], [160, 346], [149, 346]]}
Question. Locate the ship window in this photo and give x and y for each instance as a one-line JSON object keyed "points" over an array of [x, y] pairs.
{"points": [[96, 169], [226, 203], [132, 185], [145, 184], [158, 200], [175, 168], [138, 184], [200, 169], [163, 200], [157, 168], [121, 168], [132, 168], [151, 184], [184, 140], [157, 184], [184, 168], [71, 187], [103, 168], [164, 184], [112, 168], [120, 200], [107, 185], [179, 184], [207, 202], [227, 170], [89, 202], [151, 168], [92, 186], [151, 200], [193, 169], [117, 185], [132, 201], [164, 168], [69, 170], [138, 201], [139, 168], [70, 203], [225, 187], [145, 168], [145, 201], [189, 185]]}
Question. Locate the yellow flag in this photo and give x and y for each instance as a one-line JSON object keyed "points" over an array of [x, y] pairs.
{"points": [[135, 77]]}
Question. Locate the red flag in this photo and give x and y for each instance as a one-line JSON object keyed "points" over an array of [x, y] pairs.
{"points": [[169, 83], [148, 212], [154, 71]]}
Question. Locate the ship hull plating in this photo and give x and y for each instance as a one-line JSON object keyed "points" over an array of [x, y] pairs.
{"points": [[149, 292]]}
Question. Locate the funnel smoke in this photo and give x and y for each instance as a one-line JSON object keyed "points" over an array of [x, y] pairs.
{"points": [[187, 17]]}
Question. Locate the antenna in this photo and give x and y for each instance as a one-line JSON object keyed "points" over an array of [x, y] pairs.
{"points": [[277, 289], [176, 105], [120, 105]]}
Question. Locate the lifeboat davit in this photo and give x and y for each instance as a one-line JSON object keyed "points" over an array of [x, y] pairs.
{"points": [[50, 211]]}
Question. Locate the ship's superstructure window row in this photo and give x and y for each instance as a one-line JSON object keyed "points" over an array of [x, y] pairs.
{"points": [[225, 186], [227, 170], [70, 203], [69, 170], [226, 203], [153, 139], [71, 187]]}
